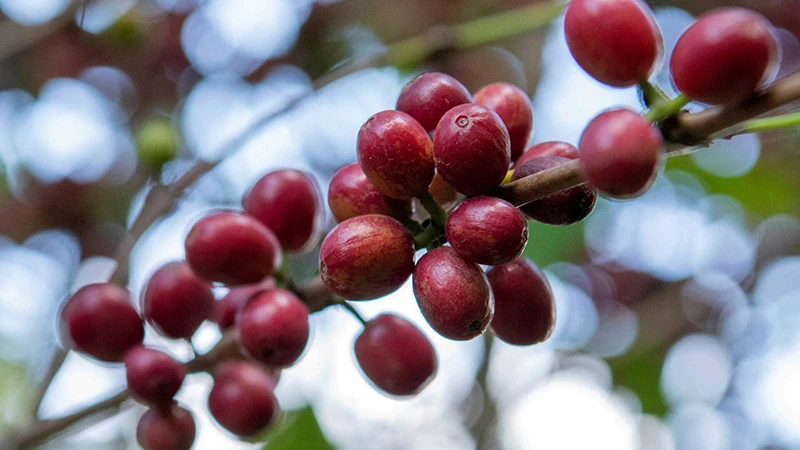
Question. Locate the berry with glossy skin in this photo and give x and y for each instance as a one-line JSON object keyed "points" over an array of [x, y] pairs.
{"points": [[396, 154], [166, 429], [724, 56], [524, 307], [550, 148], [176, 301], [366, 257], [615, 41], [351, 194], [226, 309], [487, 230], [242, 399], [620, 152], [514, 107], [273, 328], [471, 149], [232, 248], [154, 377], [428, 96], [453, 294], [395, 355], [99, 320], [562, 208]]}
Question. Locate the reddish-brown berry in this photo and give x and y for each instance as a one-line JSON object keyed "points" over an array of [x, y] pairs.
{"points": [[273, 328], [428, 96], [176, 301], [487, 230], [226, 309], [166, 429], [550, 148], [154, 377], [351, 194], [562, 208], [242, 399], [514, 107]]}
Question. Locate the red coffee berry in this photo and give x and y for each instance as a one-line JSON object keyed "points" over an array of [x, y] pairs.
{"points": [[288, 203], [226, 309], [351, 194], [453, 294], [620, 153], [724, 56], [487, 230], [562, 208], [99, 320], [395, 355], [154, 377], [428, 96], [524, 311], [396, 154], [514, 107], [615, 41], [550, 148], [366, 257], [176, 301], [472, 149], [242, 399], [273, 328], [232, 248], [166, 429]]}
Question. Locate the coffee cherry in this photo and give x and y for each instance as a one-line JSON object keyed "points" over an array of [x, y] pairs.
{"points": [[99, 320], [550, 148], [428, 96], [166, 429], [487, 230], [226, 309], [153, 376], [724, 56], [242, 399], [620, 153], [472, 149], [514, 107], [453, 294], [273, 328], [366, 257], [524, 311], [176, 301], [395, 355], [562, 208], [351, 194], [615, 41], [232, 248], [396, 154]]}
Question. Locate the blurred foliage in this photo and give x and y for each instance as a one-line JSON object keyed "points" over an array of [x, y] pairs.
{"points": [[548, 244], [15, 392], [641, 373], [301, 432]]}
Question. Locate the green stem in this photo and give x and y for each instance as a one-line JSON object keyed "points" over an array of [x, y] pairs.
{"points": [[412, 225], [427, 237], [771, 123], [354, 312], [662, 110], [652, 94], [438, 214]]}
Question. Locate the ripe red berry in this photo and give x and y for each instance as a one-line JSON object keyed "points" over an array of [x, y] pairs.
{"points": [[99, 320], [472, 149], [166, 429], [550, 148], [562, 208], [366, 257], [154, 377], [620, 152], [226, 309], [396, 154], [428, 96], [615, 41], [514, 107], [242, 399], [176, 301], [453, 294], [524, 311], [724, 56], [273, 328], [487, 230], [395, 355], [232, 248], [351, 194]]}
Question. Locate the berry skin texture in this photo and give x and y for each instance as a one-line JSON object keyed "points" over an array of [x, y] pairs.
{"points": [[428, 96], [288, 203], [242, 398], [396, 154], [154, 377], [453, 294], [166, 429], [562, 208], [487, 230], [620, 152], [471, 149], [617, 42], [273, 328], [226, 309], [524, 307], [176, 301], [395, 355], [366, 257], [99, 320], [232, 248], [724, 56], [550, 148], [351, 194], [514, 107]]}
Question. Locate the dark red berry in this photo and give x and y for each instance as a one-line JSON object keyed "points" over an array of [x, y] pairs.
{"points": [[562, 208], [524, 311], [615, 41], [232, 248], [351, 194], [366, 257], [396, 154], [154, 377], [99, 320], [453, 294], [242, 399], [166, 429], [514, 107], [176, 301], [487, 230], [428, 96], [226, 309], [550, 148], [273, 328], [472, 149], [395, 355]]}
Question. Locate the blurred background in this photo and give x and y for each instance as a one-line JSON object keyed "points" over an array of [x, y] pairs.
{"points": [[678, 312]]}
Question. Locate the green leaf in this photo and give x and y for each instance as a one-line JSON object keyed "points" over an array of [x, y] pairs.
{"points": [[300, 432]]}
